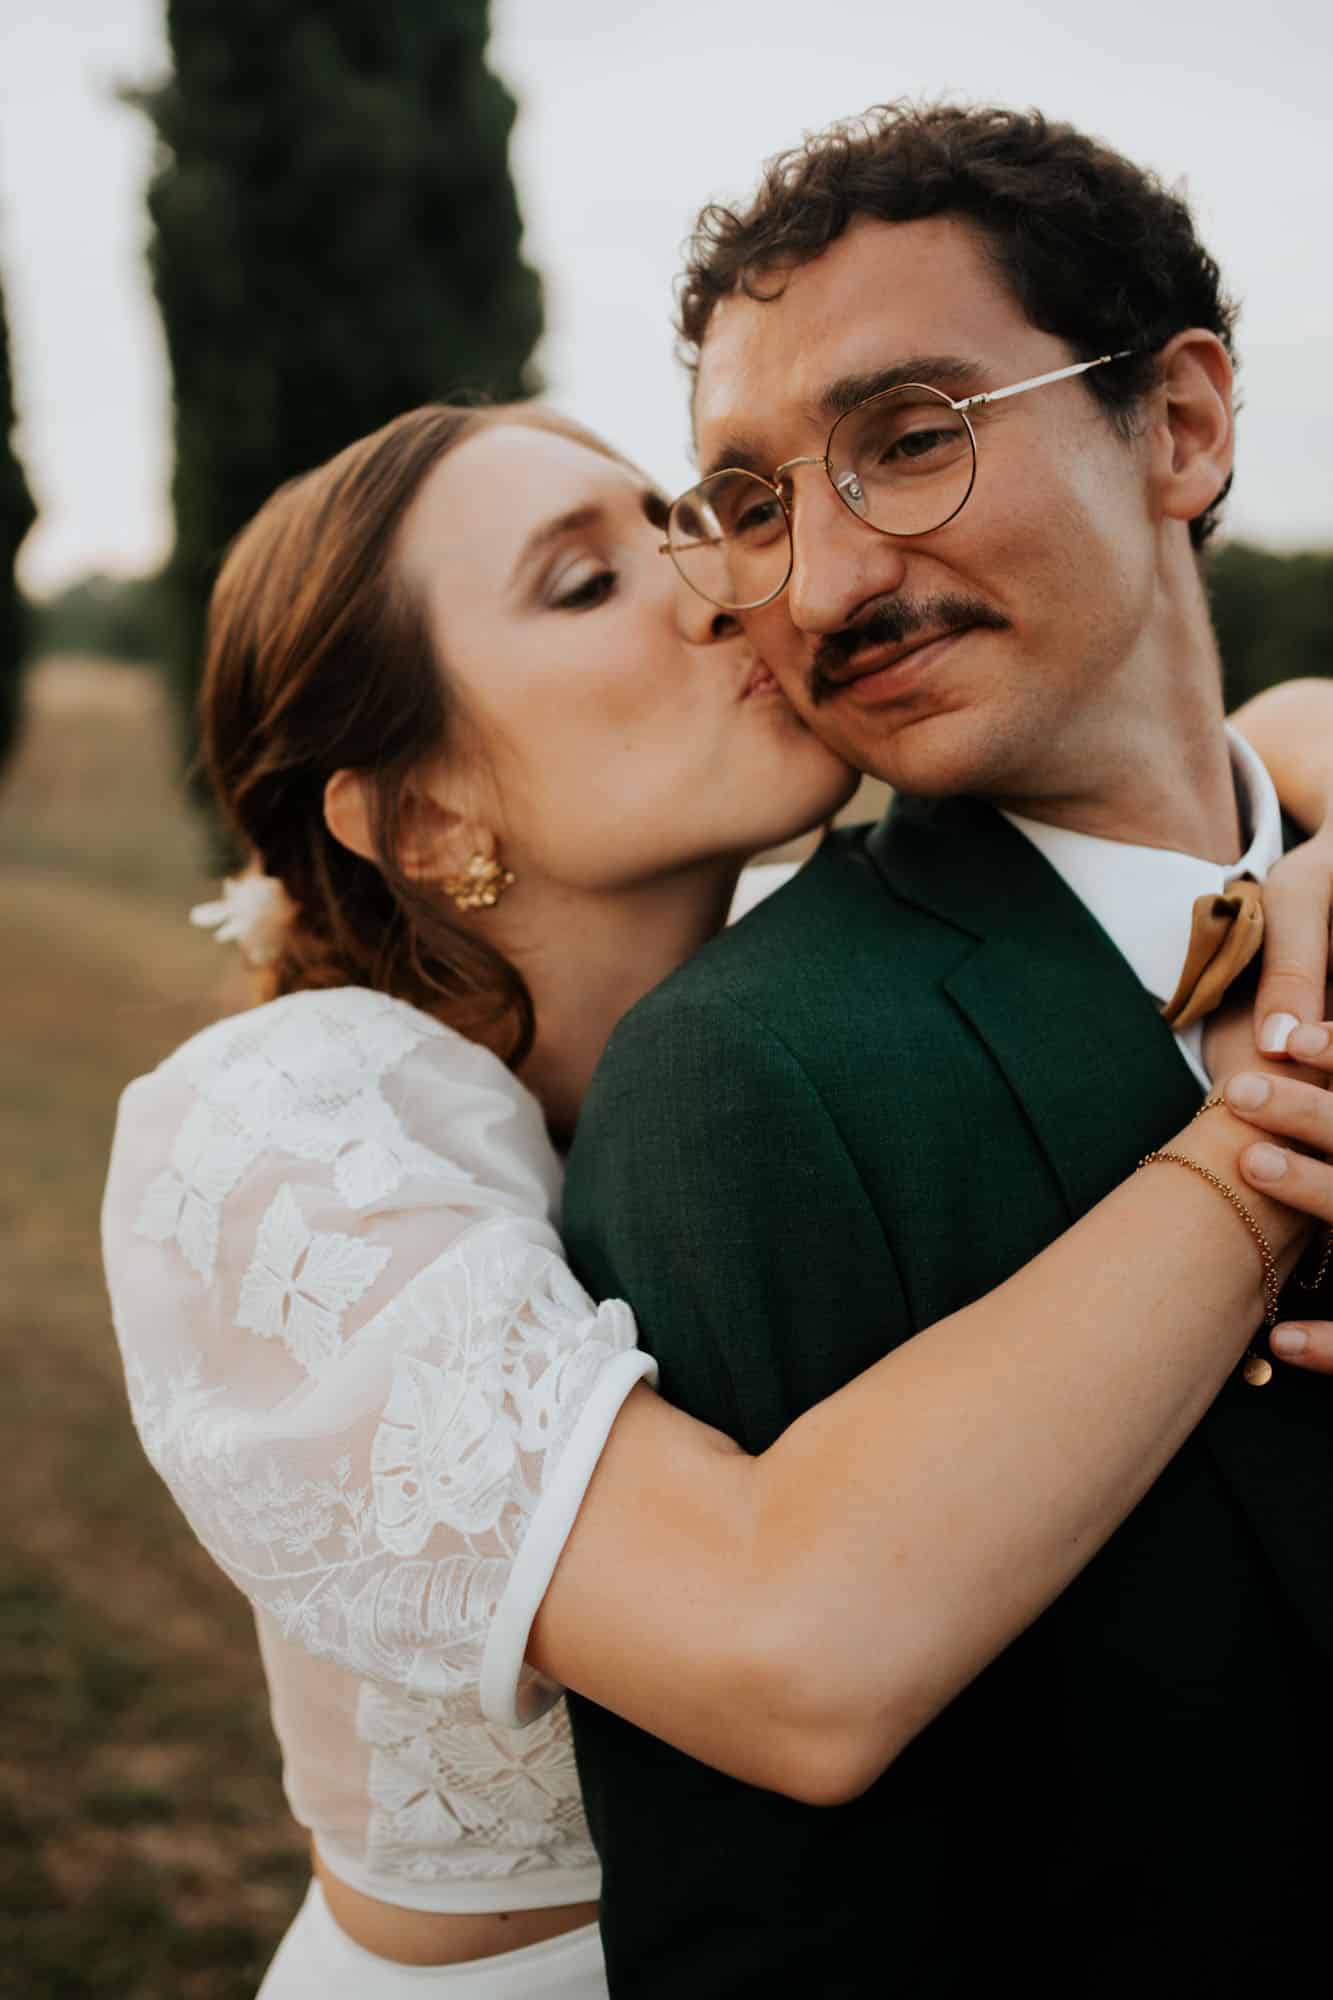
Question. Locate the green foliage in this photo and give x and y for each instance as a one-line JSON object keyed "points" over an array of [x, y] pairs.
{"points": [[17, 514], [336, 240], [1273, 614], [116, 618]]}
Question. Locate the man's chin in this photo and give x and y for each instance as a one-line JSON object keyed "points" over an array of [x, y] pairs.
{"points": [[937, 755]]}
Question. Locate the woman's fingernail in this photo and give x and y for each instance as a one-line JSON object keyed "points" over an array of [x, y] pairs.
{"points": [[1273, 1034], [1289, 1340], [1264, 1163], [1307, 1041], [1247, 1091]]}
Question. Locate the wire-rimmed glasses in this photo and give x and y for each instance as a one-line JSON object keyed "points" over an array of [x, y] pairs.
{"points": [[904, 462]]}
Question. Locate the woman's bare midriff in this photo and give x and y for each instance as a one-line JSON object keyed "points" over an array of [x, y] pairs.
{"points": [[440, 1937]]}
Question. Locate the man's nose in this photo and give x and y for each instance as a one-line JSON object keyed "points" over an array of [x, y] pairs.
{"points": [[838, 563]]}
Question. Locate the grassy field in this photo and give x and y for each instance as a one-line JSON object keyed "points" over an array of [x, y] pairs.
{"points": [[145, 1849]]}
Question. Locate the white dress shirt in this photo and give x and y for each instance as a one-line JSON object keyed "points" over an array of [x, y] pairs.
{"points": [[1143, 897]]}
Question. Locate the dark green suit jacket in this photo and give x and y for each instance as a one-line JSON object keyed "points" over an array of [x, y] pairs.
{"points": [[858, 1110]]}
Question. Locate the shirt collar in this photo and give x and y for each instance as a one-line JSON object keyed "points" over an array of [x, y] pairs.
{"points": [[1143, 897]]}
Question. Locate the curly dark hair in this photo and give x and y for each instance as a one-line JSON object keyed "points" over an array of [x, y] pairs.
{"points": [[1096, 250]]}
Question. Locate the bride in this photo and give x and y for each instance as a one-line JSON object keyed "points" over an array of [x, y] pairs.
{"points": [[354, 1352]]}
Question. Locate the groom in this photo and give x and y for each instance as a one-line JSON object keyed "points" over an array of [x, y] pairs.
{"points": [[916, 1065]]}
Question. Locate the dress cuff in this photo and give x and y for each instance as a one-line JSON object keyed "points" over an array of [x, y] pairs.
{"points": [[502, 1699]]}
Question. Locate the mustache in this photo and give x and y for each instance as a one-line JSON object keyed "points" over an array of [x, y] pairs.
{"points": [[889, 625]]}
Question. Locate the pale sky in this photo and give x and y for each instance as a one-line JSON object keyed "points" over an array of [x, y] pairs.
{"points": [[632, 115]]}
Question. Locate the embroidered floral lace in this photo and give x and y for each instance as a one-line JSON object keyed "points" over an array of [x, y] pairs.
{"points": [[357, 1358]]}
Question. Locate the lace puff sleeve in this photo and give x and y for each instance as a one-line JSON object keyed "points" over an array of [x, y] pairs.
{"points": [[353, 1349]]}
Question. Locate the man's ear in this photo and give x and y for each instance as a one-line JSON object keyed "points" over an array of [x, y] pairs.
{"points": [[433, 838], [1194, 438]]}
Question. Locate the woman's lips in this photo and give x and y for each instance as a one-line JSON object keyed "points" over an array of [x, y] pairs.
{"points": [[760, 681]]}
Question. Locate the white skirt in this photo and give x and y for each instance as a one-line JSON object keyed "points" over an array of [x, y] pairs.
{"points": [[317, 1961]]}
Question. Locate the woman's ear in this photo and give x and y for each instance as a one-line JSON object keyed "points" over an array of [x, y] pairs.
{"points": [[433, 839], [1194, 446], [347, 812]]}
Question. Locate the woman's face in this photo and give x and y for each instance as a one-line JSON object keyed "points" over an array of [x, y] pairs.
{"points": [[626, 727]]}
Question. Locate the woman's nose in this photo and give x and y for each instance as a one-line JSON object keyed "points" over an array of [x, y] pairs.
{"points": [[702, 623]]}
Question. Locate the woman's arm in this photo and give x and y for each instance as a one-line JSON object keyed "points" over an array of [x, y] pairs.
{"points": [[797, 1617], [1291, 727]]}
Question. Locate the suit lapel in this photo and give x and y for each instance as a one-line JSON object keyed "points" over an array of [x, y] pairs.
{"points": [[1083, 1048]]}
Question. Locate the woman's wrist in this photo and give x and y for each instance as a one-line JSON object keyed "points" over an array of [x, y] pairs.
{"points": [[1215, 1140]]}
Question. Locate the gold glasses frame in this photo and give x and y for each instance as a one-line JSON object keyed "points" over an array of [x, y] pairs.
{"points": [[960, 407]]}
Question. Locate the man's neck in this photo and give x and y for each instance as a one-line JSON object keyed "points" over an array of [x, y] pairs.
{"points": [[1151, 765], [1188, 805]]}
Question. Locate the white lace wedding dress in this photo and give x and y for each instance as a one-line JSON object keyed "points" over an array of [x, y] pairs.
{"points": [[357, 1358]]}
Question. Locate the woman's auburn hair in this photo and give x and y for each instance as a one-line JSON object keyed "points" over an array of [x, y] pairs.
{"points": [[319, 658]]}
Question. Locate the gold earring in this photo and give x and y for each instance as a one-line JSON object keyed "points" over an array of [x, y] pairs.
{"points": [[483, 885]]}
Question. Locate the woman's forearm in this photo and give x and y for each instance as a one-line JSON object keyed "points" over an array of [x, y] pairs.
{"points": [[1291, 727], [796, 1618]]}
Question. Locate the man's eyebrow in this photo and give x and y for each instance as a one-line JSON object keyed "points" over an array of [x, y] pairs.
{"points": [[549, 533], [735, 453], [949, 372]]}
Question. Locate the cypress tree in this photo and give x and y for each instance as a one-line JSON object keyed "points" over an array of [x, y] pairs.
{"points": [[336, 239], [17, 514]]}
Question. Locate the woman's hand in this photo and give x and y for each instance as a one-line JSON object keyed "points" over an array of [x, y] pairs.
{"points": [[1278, 1102], [1229, 1047], [1298, 903], [1291, 727]]}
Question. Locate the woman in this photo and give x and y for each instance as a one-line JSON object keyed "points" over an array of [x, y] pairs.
{"points": [[506, 769]]}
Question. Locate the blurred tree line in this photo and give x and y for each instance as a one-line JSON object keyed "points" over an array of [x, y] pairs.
{"points": [[16, 517], [336, 239], [1273, 613]]}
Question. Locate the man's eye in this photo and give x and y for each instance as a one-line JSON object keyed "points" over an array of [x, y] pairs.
{"points": [[919, 444], [590, 590]]}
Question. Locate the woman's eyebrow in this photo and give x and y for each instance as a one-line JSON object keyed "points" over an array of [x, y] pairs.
{"points": [[548, 533]]}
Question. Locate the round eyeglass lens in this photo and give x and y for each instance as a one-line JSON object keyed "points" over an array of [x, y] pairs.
{"points": [[904, 462], [728, 538]]}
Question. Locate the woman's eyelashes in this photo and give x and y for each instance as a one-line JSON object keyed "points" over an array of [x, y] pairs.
{"points": [[583, 589], [589, 580]]}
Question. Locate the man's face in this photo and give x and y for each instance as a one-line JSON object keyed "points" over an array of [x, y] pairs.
{"points": [[997, 654]]}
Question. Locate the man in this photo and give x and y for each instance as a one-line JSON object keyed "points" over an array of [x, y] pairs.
{"points": [[996, 606]]}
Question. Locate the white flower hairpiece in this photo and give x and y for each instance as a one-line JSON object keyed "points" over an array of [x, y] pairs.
{"points": [[253, 911]]}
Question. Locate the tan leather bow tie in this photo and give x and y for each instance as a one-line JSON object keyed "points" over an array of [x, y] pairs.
{"points": [[1225, 936]]}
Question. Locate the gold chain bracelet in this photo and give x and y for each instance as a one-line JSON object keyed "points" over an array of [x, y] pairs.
{"points": [[1272, 1282], [1256, 1368]]}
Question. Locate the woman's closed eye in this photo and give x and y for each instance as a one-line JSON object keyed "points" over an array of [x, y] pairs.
{"points": [[584, 587]]}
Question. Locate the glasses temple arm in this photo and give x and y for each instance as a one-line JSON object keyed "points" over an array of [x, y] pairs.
{"points": [[1040, 381]]}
